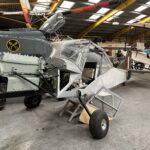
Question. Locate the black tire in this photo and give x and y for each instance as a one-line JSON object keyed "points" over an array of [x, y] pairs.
{"points": [[61, 99], [139, 66], [99, 124], [32, 101], [123, 84]]}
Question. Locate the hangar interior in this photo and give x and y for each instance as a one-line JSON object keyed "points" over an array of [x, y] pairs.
{"points": [[74, 74]]}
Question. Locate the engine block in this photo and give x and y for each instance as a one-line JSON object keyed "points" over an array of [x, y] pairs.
{"points": [[28, 66]]}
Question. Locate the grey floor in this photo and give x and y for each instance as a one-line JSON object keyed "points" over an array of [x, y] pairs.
{"points": [[42, 129]]}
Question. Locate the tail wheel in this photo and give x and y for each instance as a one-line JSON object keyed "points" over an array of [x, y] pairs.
{"points": [[32, 101], [99, 124]]}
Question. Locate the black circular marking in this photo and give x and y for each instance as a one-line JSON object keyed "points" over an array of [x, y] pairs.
{"points": [[13, 45]]}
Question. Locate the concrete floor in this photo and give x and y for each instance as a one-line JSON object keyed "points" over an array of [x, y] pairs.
{"points": [[42, 129]]}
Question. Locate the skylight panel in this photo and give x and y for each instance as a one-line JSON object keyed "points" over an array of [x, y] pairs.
{"points": [[119, 13], [140, 17], [67, 4], [148, 3], [111, 18], [141, 8], [115, 16], [103, 10], [131, 21], [94, 17], [94, 1], [40, 8], [61, 10]]}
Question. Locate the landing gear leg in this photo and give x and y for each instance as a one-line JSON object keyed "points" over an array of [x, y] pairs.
{"points": [[99, 121], [32, 101]]}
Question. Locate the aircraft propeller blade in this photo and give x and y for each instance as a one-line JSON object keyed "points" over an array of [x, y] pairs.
{"points": [[91, 7]]}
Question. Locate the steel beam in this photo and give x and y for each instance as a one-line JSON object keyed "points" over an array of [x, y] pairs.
{"points": [[54, 6], [127, 29], [140, 37], [13, 20], [104, 18]]}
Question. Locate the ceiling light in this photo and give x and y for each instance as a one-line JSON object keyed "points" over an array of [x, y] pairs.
{"points": [[12, 13], [94, 1], [94, 17], [67, 4], [115, 23], [141, 8], [140, 17], [103, 10], [131, 21]]}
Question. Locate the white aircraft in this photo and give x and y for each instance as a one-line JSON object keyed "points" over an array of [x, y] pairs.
{"points": [[72, 68]]}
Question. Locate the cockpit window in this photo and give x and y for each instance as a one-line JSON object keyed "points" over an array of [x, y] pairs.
{"points": [[70, 52]]}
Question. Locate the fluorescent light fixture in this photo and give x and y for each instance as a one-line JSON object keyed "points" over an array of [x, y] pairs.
{"points": [[141, 8], [131, 21], [12, 13], [140, 17], [87, 3], [103, 10], [119, 13], [94, 1], [115, 23], [94, 17], [67, 4]]}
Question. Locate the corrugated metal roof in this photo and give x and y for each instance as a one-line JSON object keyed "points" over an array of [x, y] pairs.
{"points": [[76, 23]]}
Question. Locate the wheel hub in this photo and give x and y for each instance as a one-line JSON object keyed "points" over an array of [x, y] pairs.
{"points": [[103, 125]]}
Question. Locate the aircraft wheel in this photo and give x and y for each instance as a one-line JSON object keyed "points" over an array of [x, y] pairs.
{"points": [[32, 101], [139, 66], [99, 124]]}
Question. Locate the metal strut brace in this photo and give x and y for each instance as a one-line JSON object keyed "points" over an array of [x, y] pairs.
{"points": [[19, 75], [47, 85], [82, 103]]}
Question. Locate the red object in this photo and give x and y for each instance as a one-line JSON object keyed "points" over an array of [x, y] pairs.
{"points": [[25, 11], [91, 7]]}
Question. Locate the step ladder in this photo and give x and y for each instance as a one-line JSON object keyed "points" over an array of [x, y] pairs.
{"points": [[72, 108]]}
